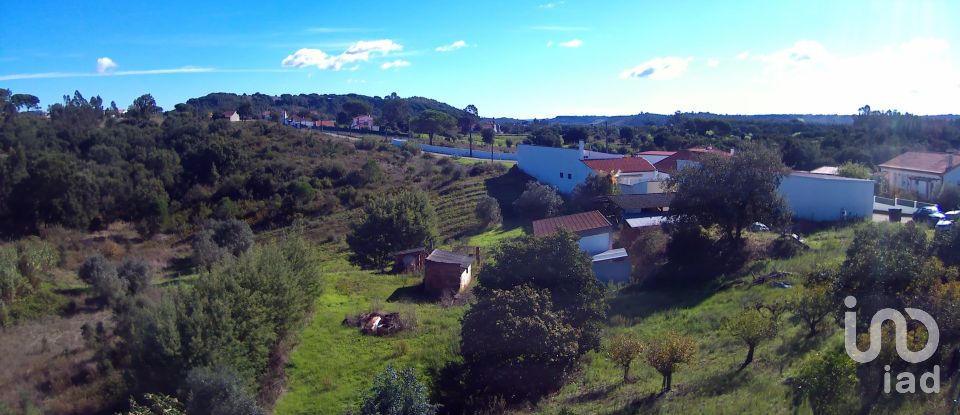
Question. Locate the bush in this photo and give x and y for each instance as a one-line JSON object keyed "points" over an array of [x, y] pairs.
{"points": [[36, 257], [397, 393], [137, 273], [538, 201], [854, 170], [785, 246], [403, 221], [96, 267], [517, 345], [221, 237], [332, 169], [949, 198], [12, 283], [485, 168], [666, 352], [217, 391], [825, 379], [622, 350], [488, 211]]}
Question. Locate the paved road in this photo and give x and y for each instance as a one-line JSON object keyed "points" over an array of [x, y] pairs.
{"points": [[883, 217]]}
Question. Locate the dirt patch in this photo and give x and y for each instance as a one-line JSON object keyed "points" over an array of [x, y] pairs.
{"points": [[46, 363]]}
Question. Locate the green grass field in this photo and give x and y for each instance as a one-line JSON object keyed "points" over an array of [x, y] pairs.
{"points": [[332, 365], [710, 384]]}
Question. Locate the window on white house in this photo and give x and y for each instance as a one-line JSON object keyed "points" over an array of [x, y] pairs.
{"points": [[569, 176], [561, 175]]}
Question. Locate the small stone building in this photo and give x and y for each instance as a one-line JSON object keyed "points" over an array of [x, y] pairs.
{"points": [[447, 272]]}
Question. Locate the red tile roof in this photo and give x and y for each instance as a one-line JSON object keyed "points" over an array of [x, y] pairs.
{"points": [[937, 163], [576, 223], [669, 164], [623, 165]]}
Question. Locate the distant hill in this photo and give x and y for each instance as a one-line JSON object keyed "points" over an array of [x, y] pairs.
{"points": [[326, 105], [661, 119]]}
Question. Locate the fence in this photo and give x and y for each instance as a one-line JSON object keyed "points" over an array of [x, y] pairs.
{"points": [[456, 151], [882, 204]]}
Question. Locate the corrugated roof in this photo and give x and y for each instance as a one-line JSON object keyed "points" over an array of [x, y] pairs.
{"points": [[646, 221], [937, 163], [623, 165], [447, 257], [576, 223], [642, 201], [610, 255]]}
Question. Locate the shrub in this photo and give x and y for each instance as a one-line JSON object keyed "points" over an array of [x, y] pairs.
{"points": [[622, 350], [96, 267], [488, 211], [750, 326], [217, 390], [36, 257], [854, 170], [785, 246], [647, 253], [137, 273], [824, 379], [538, 201], [402, 221], [485, 168], [218, 238], [666, 352], [332, 169], [397, 393], [516, 344], [12, 283], [812, 306]]}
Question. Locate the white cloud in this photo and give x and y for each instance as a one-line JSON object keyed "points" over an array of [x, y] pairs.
{"points": [[105, 64], [451, 47], [549, 43], [713, 62], [575, 43], [551, 5], [669, 67], [399, 63], [358, 52], [743, 55]]}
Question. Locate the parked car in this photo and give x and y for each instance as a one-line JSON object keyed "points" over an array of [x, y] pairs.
{"points": [[759, 227], [949, 218], [928, 214]]}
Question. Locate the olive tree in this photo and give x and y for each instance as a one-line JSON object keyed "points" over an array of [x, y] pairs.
{"points": [[666, 353], [622, 350]]}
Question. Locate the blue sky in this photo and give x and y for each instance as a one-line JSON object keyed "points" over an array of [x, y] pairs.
{"points": [[510, 58]]}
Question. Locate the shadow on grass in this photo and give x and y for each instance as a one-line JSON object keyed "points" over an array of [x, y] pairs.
{"points": [[721, 383], [800, 344], [415, 294], [636, 304], [645, 405], [593, 394]]}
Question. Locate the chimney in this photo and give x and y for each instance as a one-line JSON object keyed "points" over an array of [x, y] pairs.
{"points": [[581, 150]]}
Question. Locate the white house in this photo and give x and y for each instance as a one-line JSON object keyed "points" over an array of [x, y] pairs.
{"points": [[595, 231], [922, 173], [233, 116], [826, 197], [596, 239], [634, 175], [562, 168]]}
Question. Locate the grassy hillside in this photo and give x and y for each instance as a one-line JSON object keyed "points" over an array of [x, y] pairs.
{"points": [[332, 364], [710, 384]]}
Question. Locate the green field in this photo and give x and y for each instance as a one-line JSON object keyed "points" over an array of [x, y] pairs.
{"points": [[332, 365]]}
